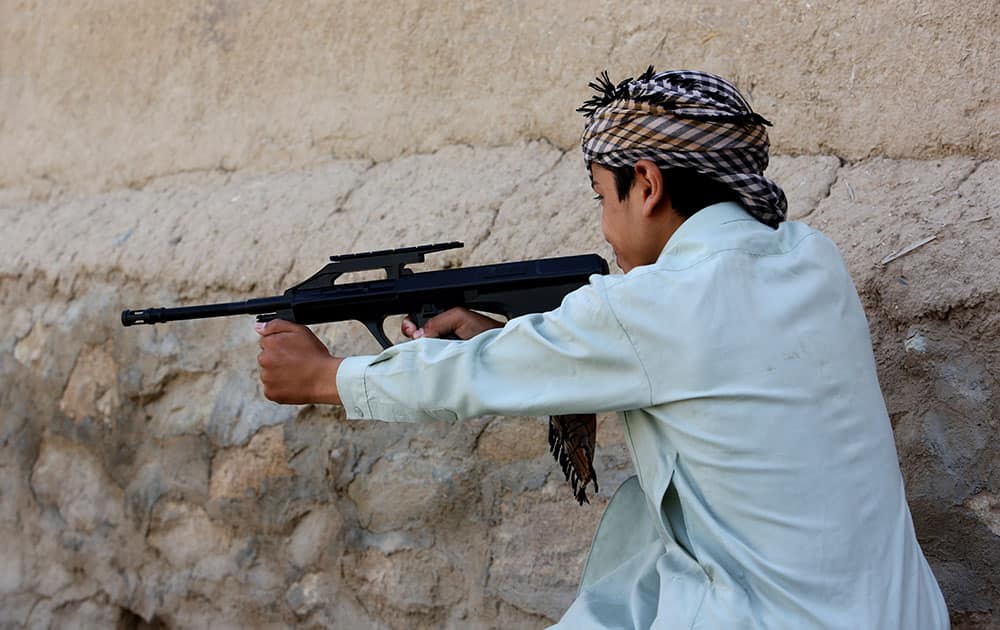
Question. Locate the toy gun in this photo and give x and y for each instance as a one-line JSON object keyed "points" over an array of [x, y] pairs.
{"points": [[507, 289]]}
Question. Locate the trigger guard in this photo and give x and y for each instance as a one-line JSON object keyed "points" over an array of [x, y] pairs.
{"points": [[377, 331]]}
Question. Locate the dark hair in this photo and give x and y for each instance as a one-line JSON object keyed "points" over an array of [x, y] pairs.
{"points": [[689, 190]]}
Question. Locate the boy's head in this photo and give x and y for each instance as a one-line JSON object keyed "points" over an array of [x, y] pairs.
{"points": [[706, 141]]}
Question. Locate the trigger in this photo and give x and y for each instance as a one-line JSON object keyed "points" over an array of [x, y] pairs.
{"points": [[426, 312], [418, 318]]}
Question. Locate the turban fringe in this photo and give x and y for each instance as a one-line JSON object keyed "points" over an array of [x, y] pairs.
{"points": [[572, 439], [684, 120]]}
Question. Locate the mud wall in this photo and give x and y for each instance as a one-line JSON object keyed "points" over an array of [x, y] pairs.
{"points": [[188, 152]]}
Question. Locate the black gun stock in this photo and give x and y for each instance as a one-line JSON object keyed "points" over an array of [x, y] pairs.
{"points": [[507, 289]]}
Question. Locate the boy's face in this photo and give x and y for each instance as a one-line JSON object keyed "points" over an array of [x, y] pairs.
{"points": [[620, 220]]}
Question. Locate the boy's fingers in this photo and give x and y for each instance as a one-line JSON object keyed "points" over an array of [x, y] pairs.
{"points": [[445, 323], [275, 326], [408, 327], [460, 322]]}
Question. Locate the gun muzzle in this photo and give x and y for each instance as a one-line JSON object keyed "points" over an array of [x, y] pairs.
{"points": [[145, 316]]}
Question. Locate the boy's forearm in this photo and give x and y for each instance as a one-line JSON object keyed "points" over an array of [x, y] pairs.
{"points": [[326, 383]]}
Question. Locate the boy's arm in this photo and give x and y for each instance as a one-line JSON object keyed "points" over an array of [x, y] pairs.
{"points": [[297, 368], [574, 359]]}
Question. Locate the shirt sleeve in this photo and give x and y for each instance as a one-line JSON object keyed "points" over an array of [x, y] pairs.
{"points": [[575, 359]]}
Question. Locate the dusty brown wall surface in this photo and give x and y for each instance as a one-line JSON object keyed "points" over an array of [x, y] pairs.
{"points": [[104, 93], [144, 475], [160, 153]]}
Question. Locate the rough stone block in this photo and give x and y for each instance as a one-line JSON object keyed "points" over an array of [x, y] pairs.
{"points": [[409, 491], [72, 479], [240, 410], [237, 471], [384, 581], [186, 536], [508, 440], [314, 534], [539, 572], [12, 569], [311, 592], [92, 388], [43, 352], [986, 506], [175, 467]]}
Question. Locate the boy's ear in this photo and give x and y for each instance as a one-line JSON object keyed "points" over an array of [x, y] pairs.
{"points": [[649, 179]]}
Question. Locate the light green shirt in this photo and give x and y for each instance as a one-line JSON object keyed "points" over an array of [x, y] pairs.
{"points": [[741, 367]]}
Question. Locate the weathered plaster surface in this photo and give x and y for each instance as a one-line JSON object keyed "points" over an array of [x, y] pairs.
{"points": [[104, 94]]}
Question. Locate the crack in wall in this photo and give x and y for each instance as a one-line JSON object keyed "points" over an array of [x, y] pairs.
{"points": [[829, 190], [517, 188], [342, 204], [978, 164], [145, 182]]}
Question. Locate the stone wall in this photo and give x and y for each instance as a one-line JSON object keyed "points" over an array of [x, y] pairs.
{"points": [[161, 153]]}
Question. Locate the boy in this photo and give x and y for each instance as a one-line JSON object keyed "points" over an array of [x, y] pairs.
{"points": [[737, 354]]}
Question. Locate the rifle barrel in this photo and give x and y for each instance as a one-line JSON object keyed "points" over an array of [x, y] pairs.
{"points": [[249, 307]]}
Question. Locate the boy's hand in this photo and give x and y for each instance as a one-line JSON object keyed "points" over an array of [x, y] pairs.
{"points": [[457, 321], [295, 367]]}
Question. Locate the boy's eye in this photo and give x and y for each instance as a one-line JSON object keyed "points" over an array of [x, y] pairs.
{"points": [[598, 197]]}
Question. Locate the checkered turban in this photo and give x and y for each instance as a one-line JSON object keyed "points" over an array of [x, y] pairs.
{"points": [[684, 119]]}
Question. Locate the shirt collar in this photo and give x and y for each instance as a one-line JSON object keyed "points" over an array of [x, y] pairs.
{"points": [[699, 232]]}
